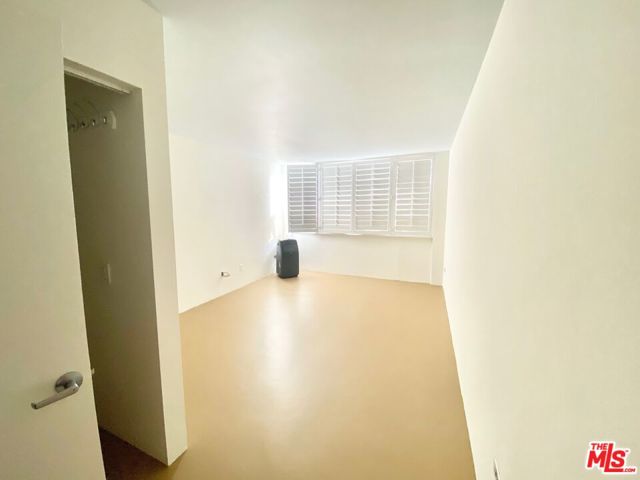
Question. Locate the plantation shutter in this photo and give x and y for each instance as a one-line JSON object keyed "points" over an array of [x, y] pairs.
{"points": [[372, 196], [413, 197], [336, 197], [302, 198]]}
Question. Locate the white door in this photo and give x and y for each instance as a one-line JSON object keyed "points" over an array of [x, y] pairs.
{"points": [[42, 329]]}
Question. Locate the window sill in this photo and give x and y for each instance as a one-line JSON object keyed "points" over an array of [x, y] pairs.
{"points": [[365, 234]]}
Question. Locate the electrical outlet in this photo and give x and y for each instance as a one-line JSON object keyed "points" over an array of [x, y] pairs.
{"points": [[496, 473], [241, 268]]}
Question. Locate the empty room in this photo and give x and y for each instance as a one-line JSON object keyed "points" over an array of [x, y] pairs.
{"points": [[298, 240]]}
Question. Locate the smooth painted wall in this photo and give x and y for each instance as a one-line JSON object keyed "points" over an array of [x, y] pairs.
{"points": [[124, 39], [393, 258], [542, 266], [407, 259], [223, 193]]}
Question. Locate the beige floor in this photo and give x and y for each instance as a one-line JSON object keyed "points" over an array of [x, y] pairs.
{"points": [[321, 377]]}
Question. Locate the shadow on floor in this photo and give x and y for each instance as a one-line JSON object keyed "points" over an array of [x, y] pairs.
{"points": [[124, 462]]}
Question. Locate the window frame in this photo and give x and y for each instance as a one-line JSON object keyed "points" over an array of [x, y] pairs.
{"points": [[391, 230], [303, 195], [322, 228]]}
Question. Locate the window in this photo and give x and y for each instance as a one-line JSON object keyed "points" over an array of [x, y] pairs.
{"points": [[302, 198], [372, 196], [413, 196], [336, 197], [385, 196]]}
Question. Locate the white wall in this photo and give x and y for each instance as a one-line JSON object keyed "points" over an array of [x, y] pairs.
{"points": [[124, 39], [392, 258], [407, 259], [542, 266], [224, 217], [222, 182]]}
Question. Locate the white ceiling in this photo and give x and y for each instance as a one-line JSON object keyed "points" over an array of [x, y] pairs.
{"points": [[319, 80]]}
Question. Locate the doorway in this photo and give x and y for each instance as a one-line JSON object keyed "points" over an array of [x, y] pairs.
{"points": [[110, 191]]}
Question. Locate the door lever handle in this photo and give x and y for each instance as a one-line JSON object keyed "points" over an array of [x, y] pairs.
{"points": [[65, 386]]}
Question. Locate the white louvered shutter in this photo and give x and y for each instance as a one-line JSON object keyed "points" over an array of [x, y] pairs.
{"points": [[372, 196], [336, 197], [413, 197], [302, 198]]}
